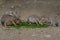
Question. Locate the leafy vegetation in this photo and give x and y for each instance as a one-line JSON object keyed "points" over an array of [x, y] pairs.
{"points": [[26, 24]]}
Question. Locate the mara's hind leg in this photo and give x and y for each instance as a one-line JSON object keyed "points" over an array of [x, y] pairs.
{"points": [[2, 23], [5, 24]]}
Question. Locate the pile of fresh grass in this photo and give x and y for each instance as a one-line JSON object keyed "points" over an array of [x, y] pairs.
{"points": [[26, 24]]}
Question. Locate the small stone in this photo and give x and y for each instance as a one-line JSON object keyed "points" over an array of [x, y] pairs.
{"points": [[48, 36], [33, 35]]}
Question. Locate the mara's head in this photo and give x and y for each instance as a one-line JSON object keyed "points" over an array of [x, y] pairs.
{"points": [[16, 17], [44, 21], [17, 20]]}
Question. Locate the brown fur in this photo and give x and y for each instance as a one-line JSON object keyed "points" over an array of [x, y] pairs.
{"points": [[7, 19]]}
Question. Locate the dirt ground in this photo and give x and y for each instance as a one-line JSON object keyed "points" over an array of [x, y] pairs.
{"points": [[24, 8], [51, 33]]}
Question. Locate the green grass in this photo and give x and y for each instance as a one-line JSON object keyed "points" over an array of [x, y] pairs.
{"points": [[26, 24]]}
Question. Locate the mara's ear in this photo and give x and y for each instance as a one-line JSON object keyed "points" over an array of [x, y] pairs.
{"points": [[56, 17], [13, 13], [18, 15], [10, 12]]}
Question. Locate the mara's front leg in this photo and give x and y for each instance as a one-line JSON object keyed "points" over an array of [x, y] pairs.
{"points": [[14, 23]]}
